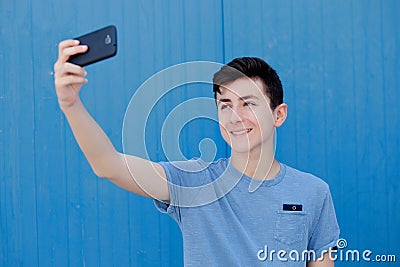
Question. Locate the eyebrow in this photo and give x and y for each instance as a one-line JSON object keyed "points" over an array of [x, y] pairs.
{"points": [[243, 98]]}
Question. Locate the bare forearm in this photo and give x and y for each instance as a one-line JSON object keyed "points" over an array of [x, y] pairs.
{"points": [[92, 140]]}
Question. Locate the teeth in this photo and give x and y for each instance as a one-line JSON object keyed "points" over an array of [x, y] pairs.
{"points": [[241, 132]]}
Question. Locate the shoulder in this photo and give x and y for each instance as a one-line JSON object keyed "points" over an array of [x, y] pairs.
{"points": [[304, 180], [194, 172], [195, 165]]}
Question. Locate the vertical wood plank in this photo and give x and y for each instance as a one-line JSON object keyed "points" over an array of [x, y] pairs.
{"points": [[18, 176], [52, 212], [308, 108], [390, 68], [369, 100]]}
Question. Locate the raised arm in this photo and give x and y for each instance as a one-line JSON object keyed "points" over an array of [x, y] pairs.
{"points": [[143, 177]]}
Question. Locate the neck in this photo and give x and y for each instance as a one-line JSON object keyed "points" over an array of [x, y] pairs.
{"points": [[259, 164]]}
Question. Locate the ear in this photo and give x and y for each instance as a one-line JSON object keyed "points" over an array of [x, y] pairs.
{"points": [[280, 114]]}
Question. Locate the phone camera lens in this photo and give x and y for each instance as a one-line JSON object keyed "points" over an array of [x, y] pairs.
{"points": [[107, 40]]}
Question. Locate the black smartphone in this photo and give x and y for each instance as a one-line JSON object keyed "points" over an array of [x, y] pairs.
{"points": [[102, 44]]}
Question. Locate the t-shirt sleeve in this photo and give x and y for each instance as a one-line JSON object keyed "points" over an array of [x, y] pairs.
{"points": [[173, 177], [192, 183], [326, 231]]}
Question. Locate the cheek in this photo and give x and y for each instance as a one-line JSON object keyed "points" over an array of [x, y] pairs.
{"points": [[223, 130], [223, 118], [221, 122], [255, 117], [224, 134], [262, 120]]}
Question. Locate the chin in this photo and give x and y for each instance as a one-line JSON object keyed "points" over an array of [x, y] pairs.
{"points": [[241, 149]]}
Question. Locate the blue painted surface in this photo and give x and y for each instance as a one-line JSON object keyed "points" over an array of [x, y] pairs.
{"points": [[339, 63]]}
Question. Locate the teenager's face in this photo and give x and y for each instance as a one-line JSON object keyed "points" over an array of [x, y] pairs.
{"points": [[245, 117]]}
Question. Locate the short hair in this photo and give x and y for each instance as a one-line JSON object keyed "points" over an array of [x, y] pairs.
{"points": [[251, 67]]}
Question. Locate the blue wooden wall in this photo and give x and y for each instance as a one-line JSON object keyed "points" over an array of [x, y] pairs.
{"points": [[339, 63]]}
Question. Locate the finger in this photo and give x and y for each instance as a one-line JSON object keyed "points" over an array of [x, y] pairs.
{"points": [[70, 68], [69, 51], [70, 79], [64, 69], [66, 43]]}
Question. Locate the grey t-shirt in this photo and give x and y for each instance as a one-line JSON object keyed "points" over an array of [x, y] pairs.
{"points": [[223, 224]]}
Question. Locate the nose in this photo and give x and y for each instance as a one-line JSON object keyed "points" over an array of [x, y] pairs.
{"points": [[235, 116]]}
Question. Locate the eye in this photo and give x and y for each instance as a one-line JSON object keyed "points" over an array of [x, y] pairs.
{"points": [[250, 104], [223, 106]]}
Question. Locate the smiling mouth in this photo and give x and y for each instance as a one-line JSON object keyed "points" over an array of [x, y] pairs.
{"points": [[241, 132]]}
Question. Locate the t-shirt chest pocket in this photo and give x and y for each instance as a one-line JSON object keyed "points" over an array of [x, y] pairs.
{"points": [[290, 226]]}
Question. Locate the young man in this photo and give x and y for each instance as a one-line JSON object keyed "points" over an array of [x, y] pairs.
{"points": [[246, 210]]}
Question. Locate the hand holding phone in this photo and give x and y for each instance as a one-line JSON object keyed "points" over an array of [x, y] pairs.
{"points": [[102, 44]]}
